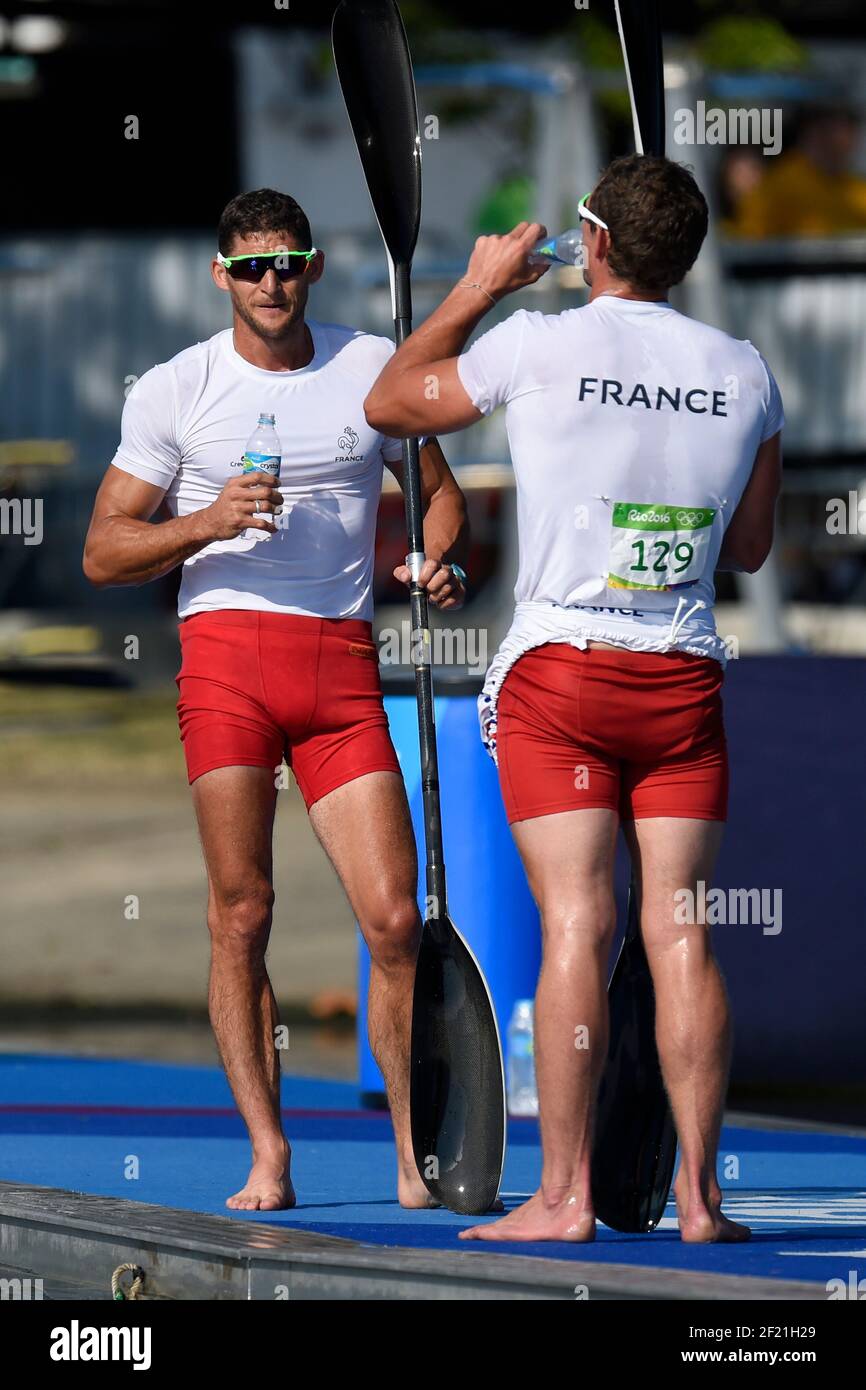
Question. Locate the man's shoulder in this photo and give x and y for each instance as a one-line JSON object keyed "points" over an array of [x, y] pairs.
{"points": [[515, 326], [735, 361], [536, 323], [353, 350], [189, 361], [202, 354], [719, 343]]}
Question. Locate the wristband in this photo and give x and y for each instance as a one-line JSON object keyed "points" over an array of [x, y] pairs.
{"points": [[474, 285]]}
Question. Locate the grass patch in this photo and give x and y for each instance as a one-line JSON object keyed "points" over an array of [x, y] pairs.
{"points": [[87, 737]]}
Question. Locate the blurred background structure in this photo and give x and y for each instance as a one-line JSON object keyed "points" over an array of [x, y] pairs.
{"points": [[125, 128]]}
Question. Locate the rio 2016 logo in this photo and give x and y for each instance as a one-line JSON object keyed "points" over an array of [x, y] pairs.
{"points": [[650, 515]]}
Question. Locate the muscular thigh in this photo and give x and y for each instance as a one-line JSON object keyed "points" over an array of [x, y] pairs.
{"points": [[569, 859], [235, 811], [671, 854], [366, 830]]}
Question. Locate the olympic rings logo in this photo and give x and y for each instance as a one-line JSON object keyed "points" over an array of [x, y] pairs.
{"points": [[680, 516]]}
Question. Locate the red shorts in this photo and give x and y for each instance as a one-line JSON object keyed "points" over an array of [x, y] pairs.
{"points": [[259, 687], [638, 732]]}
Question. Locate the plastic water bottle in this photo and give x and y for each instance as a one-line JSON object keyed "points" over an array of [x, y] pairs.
{"points": [[520, 1061], [565, 249], [263, 454]]}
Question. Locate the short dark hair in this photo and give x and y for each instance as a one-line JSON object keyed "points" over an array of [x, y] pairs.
{"points": [[264, 210], [657, 218]]}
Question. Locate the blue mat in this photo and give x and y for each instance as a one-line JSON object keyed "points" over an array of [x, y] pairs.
{"points": [[170, 1135]]}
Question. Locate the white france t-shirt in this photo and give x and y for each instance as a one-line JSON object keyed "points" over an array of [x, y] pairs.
{"points": [[185, 425], [623, 402]]}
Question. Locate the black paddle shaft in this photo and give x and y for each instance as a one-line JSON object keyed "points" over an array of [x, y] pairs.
{"points": [[641, 41], [375, 71], [635, 1139], [456, 1080], [437, 907]]}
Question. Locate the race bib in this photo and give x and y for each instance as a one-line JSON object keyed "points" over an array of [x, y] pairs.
{"points": [[658, 545]]}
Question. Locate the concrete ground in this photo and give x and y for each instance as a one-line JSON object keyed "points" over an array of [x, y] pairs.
{"points": [[70, 860]]}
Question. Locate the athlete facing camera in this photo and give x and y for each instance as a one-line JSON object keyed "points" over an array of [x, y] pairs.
{"points": [[278, 658]]}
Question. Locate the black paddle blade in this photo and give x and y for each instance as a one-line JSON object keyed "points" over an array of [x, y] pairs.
{"points": [[635, 1140], [641, 39], [457, 1100], [375, 72]]}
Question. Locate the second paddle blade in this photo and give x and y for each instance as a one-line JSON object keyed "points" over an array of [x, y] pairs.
{"points": [[375, 72], [636, 1143], [457, 1099]]}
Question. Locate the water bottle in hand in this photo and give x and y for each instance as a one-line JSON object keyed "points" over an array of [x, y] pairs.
{"points": [[263, 454], [565, 249]]}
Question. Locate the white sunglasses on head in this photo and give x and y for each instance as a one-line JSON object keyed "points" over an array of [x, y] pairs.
{"points": [[584, 211]]}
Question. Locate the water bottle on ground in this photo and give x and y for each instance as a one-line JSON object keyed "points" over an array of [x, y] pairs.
{"points": [[263, 454], [565, 249], [520, 1061]]}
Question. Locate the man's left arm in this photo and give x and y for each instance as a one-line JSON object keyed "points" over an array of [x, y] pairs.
{"points": [[446, 528]]}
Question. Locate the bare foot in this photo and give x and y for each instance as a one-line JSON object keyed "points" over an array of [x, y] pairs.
{"points": [[706, 1224], [414, 1196], [411, 1192], [268, 1187], [568, 1218]]}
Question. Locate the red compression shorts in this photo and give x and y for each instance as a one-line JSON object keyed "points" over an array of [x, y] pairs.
{"points": [[638, 732], [258, 687]]}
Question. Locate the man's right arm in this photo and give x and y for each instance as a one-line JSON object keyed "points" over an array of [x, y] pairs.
{"points": [[124, 547], [749, 538]]}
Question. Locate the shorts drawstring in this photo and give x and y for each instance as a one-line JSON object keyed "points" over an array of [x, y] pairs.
{"points": [[677, 622]]}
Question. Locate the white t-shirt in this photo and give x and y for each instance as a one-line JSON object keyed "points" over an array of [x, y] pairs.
{"points": [[621, 401], [633, 431], [184, 428]]}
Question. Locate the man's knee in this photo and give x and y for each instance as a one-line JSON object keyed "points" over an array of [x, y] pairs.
{"points": [[588, 924], [392, 932], [239, 916]]}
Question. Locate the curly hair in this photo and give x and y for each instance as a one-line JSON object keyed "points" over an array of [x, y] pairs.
{"points": [[657, 218]]}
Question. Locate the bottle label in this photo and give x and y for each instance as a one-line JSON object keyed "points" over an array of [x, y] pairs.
{"points": [[546, 250], [262, 463]]}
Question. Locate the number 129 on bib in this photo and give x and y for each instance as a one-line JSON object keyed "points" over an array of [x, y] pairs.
{"points": [[658, 546]]}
